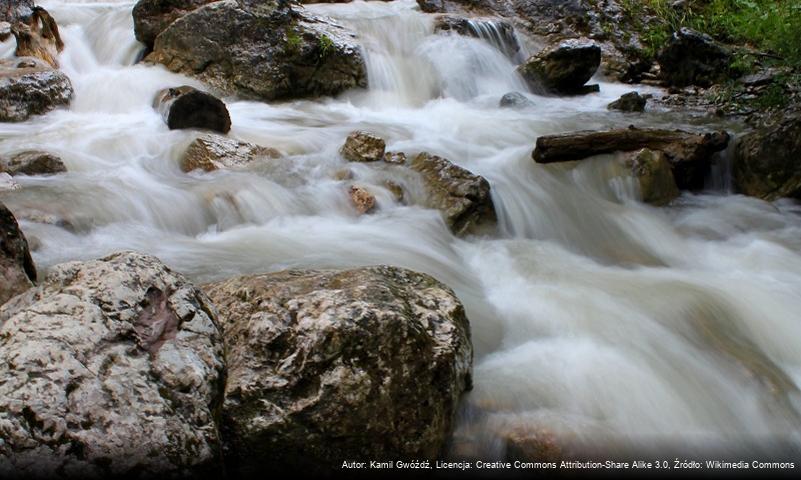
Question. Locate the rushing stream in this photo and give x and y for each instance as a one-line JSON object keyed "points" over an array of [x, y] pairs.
{"points": [[596, 318]]}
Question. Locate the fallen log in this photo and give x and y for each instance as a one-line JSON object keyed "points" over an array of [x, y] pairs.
{"points": [[188, 107], [688, 153]]}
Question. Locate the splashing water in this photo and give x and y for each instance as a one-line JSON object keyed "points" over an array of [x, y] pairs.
{"points": [[595, 317]]}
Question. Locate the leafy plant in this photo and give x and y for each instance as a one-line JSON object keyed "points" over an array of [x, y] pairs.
{"points": [[326, 46]]}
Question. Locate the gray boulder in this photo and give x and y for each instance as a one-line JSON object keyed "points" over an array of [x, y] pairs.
{"points": [[151, 17], [515, 100], [767, 161], [28, 86], [629, 102], [262, 49], [111, 368], [693, 58], [564, 68], [328, 365]]}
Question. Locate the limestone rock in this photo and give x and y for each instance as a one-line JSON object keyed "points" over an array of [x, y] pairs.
{"points": [[28, 86], [151, 17], [363, 147], [463, 197], [262, 49], [362, 199], [693, 58], [332, 364], [653, 171], [110, 368], [211, 152]]}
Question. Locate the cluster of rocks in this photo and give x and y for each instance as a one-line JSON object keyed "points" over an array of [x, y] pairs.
{"points": [[461, 196], [121, 367]]}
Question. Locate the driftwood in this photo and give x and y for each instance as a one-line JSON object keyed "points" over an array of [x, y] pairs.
{"points": [[38, 37], [188, 107], [689, 154]]}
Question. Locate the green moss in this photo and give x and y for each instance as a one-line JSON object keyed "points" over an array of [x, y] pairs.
{"points": [[293, 41], [326, 46]]}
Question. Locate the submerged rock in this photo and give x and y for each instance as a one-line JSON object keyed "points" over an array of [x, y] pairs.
{"points": [[212, 152], [515, 100], [363, 147], [31, 162], [110, 368], [463, 197], [629, 102], [653, 171], [336, 364], [151, 17], [690, 154], [28, 87], [693, 58], [767, 162], [188, 107], [261, 49], [564, 68], [17, 271], [362, 199]]}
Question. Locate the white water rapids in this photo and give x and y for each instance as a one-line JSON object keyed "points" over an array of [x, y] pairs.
{"points": [[596, 318]]}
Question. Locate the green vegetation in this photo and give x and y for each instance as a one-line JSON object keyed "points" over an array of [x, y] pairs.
{"points": [[326, 46], [292, 41], [760, 28]]}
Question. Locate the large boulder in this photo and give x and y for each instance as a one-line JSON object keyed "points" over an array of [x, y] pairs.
{"points": [[629, 102], [363, 146], [767, 162], [28, 86], [213, 152], [17, 271], [328, 365], [462, 197], [188, 107], [262, 49], [110, 368], [31, 162], [690, 154], [564, 68], [151, 17], [693, 58]]}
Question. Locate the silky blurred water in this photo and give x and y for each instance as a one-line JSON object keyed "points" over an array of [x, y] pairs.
{"points": [[595, 317]]}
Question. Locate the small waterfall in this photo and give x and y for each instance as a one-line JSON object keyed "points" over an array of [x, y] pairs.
{"points": [[499, 34]]}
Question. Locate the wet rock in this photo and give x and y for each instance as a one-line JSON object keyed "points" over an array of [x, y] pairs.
{"points": [[212, 152], [629, 102], [654, 173], [463, 197], [396, 190], [395, 158], [262, 49], [362, 199], [515, 100], [111, 368], [5, 31], [431, 6], [12, 11], [563, 69], [151, 17], [690, 154], [766, 161], [31, 162], [38, 37], [693, 58], [188, 107], [363, 147], [28, 86], [17, 271], [332, 364], [499, 33]]}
